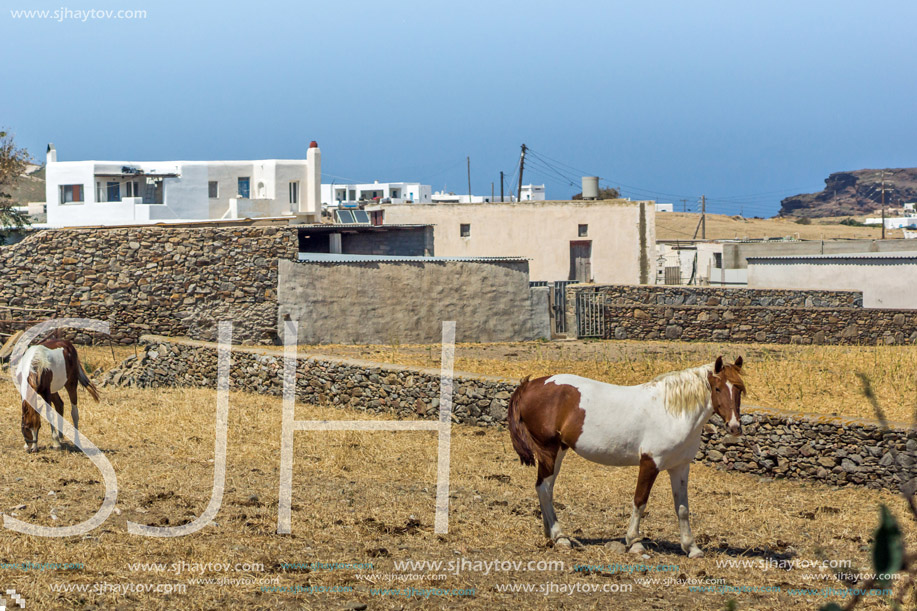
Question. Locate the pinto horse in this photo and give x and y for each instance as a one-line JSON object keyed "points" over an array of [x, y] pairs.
{"points": [[51, 366], [656, 425]]}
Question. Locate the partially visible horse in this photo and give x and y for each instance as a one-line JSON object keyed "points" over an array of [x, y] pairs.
{"points": [[51, 366], [656, 425]]}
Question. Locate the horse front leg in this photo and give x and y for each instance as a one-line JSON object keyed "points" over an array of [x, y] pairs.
{"points": [[31, 422], [645, 480], [679, 478]]}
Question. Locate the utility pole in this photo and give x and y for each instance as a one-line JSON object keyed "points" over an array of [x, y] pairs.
{"points": [[703, 217], [491, 191], [469, 179], [684, 205], [501, 186], [521, 168], [883, 204]]}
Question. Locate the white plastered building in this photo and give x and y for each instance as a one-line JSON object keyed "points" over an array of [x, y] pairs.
{"points": [[90, 193]]}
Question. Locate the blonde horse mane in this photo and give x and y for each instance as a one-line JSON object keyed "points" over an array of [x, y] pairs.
{"points": [[686, 391]]}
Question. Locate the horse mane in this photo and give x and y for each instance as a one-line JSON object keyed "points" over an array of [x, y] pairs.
{"points": [[40, 360], [685, 391]]}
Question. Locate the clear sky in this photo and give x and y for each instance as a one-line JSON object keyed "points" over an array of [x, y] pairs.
{"points": [[746, 102]]}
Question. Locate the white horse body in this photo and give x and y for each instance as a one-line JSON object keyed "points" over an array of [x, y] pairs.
{"points": [[39, 358], [623, 423]]}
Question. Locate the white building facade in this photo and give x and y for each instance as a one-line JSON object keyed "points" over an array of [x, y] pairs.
{"points": [[89, 193], [344, 195]]}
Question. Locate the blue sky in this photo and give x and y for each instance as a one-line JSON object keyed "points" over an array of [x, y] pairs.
{"points": [[746, 102]]}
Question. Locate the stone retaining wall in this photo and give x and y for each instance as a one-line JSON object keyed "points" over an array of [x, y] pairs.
{"points": [[827, 449], [168, 280], [713, 296], [748, 315]]}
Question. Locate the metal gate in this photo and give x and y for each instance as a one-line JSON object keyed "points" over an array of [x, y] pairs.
{"points": [[590, 314], [560, 306]]}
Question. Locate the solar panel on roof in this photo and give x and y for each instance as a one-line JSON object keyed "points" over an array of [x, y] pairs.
{"points": [[345, 216], [361, 216]]}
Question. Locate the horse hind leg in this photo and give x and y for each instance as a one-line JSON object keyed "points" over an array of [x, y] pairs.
{"points": [[679, 478], [645, 480], [56, 424], [547, 475], [74, 412]]}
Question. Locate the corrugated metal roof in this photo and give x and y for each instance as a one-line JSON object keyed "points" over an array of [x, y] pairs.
{"points": [[324, 257], [907, 254], [338, 226]]}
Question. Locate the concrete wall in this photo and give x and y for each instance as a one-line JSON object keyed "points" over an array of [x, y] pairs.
{"points": [[735, 255], [623, 235], [886, 282], [778, 444], [406, 302]]}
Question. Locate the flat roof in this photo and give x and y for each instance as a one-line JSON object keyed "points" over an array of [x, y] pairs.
{"points": [[325, 257], [906, 254], [360, 226]]}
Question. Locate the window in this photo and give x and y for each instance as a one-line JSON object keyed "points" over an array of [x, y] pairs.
{"points": [[718, 260], [465, 230], [244, 187], [583, 231], [113, 191], [294, 191], [213, 189], [71, 194]]}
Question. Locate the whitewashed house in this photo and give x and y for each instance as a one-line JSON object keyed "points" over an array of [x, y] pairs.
{"points": [[342, 195], [88, 193]]}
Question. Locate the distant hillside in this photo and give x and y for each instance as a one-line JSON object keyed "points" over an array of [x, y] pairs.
{"points": [[853, 193], [30, 188], [681, 226]]}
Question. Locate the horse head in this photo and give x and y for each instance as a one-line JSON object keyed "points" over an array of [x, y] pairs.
{"points": [[726, 389]]}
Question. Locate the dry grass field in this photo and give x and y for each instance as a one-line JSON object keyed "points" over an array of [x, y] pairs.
{"points": [[368, 498], [678, 225]]}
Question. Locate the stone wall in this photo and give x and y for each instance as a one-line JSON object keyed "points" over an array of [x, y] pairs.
{"points": [[741, 315], [713, 296], [385, 302], [168, 280], [779, 444]]}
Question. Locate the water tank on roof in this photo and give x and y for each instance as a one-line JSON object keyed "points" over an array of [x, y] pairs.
{"points": [[590, 187]]}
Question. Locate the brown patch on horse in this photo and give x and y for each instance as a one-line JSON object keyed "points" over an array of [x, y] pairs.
{"points": [[543, 419], [31, 421], [645, 480]]}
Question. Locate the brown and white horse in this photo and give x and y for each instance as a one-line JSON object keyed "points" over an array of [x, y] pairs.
{"points": [[51, 366], [656, 425]]}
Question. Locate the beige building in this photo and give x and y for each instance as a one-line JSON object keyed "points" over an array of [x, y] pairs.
{"points": [[607, 242], [887, 279]]}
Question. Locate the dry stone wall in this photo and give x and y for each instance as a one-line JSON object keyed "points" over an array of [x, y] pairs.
{"points": [[830, 450], [740, 315], [168, 280]]}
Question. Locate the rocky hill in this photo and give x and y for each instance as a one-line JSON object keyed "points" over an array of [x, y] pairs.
{"points": [[854, 193]]}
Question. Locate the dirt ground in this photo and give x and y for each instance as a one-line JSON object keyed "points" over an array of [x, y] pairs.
{"points": [[367, 498]]}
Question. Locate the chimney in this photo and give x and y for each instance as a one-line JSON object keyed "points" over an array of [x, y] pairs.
{"points": [[311, 201], [52, 154]]}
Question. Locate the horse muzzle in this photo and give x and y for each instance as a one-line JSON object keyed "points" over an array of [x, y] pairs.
{"points": [[734, 427]]}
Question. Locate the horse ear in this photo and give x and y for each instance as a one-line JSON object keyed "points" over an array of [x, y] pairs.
{"points": [[739, 362], [718, 365]]}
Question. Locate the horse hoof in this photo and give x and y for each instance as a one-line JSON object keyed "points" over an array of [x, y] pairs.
{"points": [[695, 553], [562, 543], [637, 548]]}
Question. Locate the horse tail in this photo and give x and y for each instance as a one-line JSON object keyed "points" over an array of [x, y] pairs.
{"points": [[85, 381], [518, 432]]}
